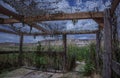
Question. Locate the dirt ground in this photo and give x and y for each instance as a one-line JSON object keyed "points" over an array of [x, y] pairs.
{"points": [[27, 73]]}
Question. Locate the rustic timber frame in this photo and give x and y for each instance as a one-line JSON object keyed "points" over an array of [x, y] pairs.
{"points": [[102, 18]]}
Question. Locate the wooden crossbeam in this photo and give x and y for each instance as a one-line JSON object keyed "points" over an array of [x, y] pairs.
{"points": [[39, 52], [48, 33], [18, 18], [1, 20], [37, 27], [61, 33], [8, 21], [100, 23], [66, 16], [115, 3], [11, 21], [7, 31], [9, 13]]}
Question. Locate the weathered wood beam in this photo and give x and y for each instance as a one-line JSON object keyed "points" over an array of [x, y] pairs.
{"points": [[20, 57], [8, 21], [1, 20], [65, 16], [107, 55], [115, 3], [65, 50], [60, 33], [18, 18], [9, 13], [100, 23], [41, 52], [98, 50], [11, 21], [37, 27], [65, 42], [57, 33], [52, 17], [8, 31]]}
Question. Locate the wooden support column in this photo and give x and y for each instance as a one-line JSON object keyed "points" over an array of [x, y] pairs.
{"points": [[65, 50], [97, 50], [65, 42], [20, 57], [107, 59]]}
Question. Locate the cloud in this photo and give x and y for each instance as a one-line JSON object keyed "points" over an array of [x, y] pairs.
{"points": [[8, 37], [66, 6], [7, 6]]}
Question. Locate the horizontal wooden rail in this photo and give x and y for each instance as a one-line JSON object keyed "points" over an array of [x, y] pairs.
{"points": [[7, 31], [62, 16], [63, 32], [8, 21], [116, 67], [51, 33], [53, 17], [65, 16], [41, 52]]}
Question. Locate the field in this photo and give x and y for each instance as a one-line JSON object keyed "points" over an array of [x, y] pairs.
{"points": [[74, 53]]}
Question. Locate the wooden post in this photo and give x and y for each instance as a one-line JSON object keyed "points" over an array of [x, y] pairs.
{"points": [[64, 42], [97, 50], [65, 50], [20, 58], [107, 59]]}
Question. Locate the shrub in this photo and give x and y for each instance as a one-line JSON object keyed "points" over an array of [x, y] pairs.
{"points": [[90, 60]]}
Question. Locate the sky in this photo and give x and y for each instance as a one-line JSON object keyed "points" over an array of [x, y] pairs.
{"points": [[67, 6]]}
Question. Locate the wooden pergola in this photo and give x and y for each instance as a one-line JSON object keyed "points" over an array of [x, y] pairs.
{"points": [[102, 18]]}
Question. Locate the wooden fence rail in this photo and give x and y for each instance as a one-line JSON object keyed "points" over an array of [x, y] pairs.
{"points": [[43, 52]]}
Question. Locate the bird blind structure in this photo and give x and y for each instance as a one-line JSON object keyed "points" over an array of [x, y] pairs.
{"points": [[104, 19]]}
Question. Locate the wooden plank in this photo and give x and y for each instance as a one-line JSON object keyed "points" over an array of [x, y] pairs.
{"points": [[115, 3], [63, 32], [20, 57], [1, 20], [65, 50], [9, 13], [52, 17], [116, 67], [98, 51], [7, 31], [41, 52], [65, 42], [50, 33], [81, 15], [100, 23], [107, 45], [37, 27], [65, 16], [9, 21]]}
